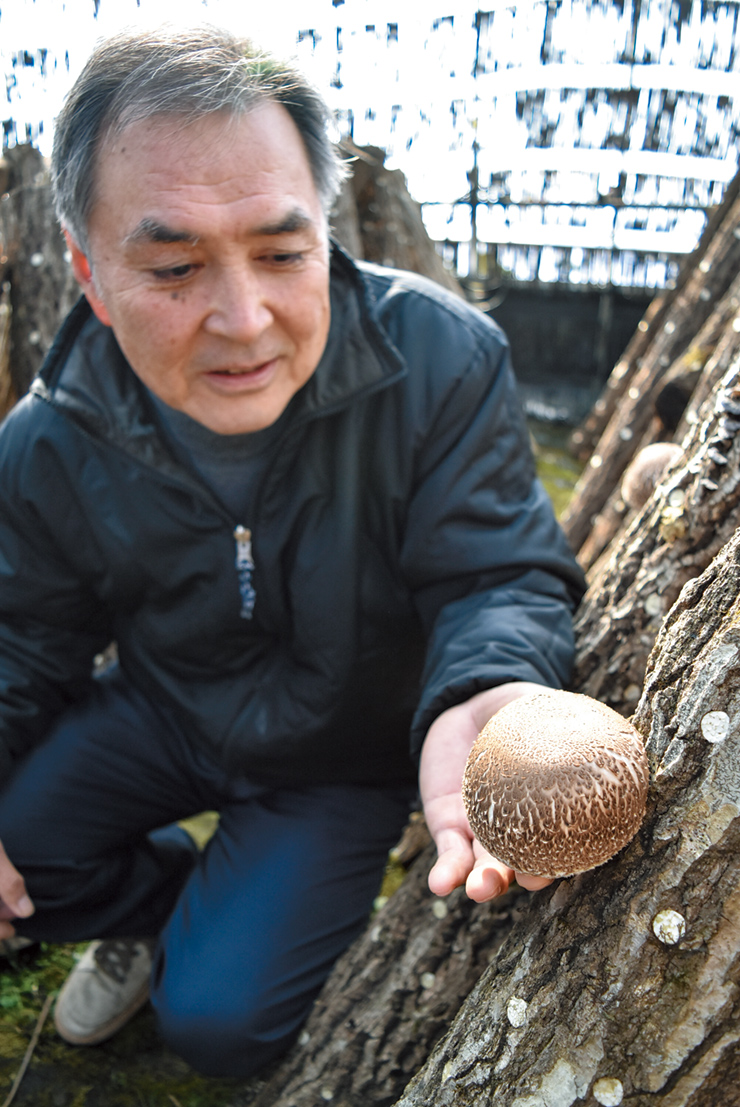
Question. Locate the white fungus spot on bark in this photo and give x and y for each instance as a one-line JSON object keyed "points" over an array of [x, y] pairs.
{"points": [[36, 260], [326, 1094], [669, 927], [304, 1038], [516, 1011], [653, 605], [715, 726], [439, 909], [608, 1092], [596, 462], [427, 979]]}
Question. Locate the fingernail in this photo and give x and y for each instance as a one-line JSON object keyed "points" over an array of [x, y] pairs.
{"points": [[25, 907]]}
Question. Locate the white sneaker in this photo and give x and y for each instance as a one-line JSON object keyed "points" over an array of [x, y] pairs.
{"points": [[106, 987]]}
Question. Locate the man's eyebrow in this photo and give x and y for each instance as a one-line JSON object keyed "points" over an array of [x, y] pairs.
{"points": [[150, 230], [296, 220]]}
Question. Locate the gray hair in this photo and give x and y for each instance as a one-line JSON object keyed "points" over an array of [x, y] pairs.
{"points": [[190, 73]]}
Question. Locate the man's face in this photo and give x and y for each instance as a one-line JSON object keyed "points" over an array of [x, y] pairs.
{"points": [[209, 258]]}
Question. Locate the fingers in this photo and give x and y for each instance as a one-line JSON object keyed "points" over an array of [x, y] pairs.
{"points": [[532, 883], [15, 899], [488, 878], [462, 861], [454, 862]]}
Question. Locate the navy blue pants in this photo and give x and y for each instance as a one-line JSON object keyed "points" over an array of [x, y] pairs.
{"points": [[249, 929]]}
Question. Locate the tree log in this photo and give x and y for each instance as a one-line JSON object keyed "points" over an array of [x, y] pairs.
{"points": [[691, 365], [621, 985], [690, 308], [584, 439], [42, 287], [692, 513], [390, 222], [391, 996]]}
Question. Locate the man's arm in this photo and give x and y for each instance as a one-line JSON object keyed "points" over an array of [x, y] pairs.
{"points": [[461, 859]]}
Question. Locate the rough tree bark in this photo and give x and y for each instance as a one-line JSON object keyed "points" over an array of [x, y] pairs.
{"points": [[697, 363], [705, 287], [584, 439], [389, 221], [692, 513], [34, 266], [622, 984], [391, 997]]}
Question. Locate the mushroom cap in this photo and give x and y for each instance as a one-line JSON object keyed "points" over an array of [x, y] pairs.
{"points": [[555, 784], [644, 472]]}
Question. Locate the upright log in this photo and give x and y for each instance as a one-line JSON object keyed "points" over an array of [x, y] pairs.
{"points": [[692, 513], [705, 287], [621, 985], [689, 366], [41, 285], [584, 439]]}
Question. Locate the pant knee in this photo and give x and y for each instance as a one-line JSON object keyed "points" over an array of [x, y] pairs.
{"points": [[218, 1035]]}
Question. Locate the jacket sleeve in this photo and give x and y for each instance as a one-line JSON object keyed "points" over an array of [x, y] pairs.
{"points": [[50, 628], [494, 581]]}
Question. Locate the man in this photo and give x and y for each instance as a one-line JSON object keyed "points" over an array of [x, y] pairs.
{"points": [[298, 495]]}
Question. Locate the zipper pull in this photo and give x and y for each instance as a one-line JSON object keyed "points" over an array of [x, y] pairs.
{"points": [[244, 566]]}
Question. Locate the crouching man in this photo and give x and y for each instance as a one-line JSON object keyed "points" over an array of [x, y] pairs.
{"points": [[297, 493]]}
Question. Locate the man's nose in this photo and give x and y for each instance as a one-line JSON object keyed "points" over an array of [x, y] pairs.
{"points": [[239, 308]]}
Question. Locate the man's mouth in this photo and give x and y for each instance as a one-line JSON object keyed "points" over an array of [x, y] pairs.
{"points": [[236, 375]]}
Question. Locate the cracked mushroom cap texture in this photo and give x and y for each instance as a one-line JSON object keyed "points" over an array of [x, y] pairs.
{"points": [[556, 784]]}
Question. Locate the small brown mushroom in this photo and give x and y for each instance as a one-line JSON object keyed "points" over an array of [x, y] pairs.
{"points": [[645, 471], [555, 784]]}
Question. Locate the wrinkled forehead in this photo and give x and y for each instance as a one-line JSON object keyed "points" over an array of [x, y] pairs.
{"points": [[164, 178]]}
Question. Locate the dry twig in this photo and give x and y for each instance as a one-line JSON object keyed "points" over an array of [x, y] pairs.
{"points": [[31, 1047]]}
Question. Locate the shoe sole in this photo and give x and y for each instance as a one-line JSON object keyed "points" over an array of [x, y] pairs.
{"points": [[109, 1029]]}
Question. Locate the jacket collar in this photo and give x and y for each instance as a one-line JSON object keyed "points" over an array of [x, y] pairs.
{"points": [[86, 374]]}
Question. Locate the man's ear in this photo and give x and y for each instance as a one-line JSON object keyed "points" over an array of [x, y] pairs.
{"points": [[83, 274]]}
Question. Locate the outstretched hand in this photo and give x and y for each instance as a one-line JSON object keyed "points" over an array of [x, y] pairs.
{"points": [[14, 900], [460, 857]]}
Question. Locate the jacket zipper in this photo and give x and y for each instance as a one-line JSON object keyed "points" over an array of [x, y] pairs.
{"points": [[244, 568]]}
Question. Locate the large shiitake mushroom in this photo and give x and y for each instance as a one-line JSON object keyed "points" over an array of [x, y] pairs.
{"points": [[555, 784]]}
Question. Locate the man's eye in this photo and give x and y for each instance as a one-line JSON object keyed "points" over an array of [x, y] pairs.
{"points": [[286, 259], [177, 272]]}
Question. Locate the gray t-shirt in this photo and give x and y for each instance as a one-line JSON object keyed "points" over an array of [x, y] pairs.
{"points": [[230, 464]]}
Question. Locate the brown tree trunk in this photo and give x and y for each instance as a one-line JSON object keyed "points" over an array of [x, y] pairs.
{"points": [[584, 439], [41, 285], [391, 997], [692, 305], [697, 365], [692, 513], [621, 985], [391, 229]]}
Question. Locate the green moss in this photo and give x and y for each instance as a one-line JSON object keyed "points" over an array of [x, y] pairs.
{"points": [[556, 467], [133, 1069]]}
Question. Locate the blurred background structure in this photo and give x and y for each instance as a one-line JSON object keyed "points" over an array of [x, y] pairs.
{"points": [[565, 154]]}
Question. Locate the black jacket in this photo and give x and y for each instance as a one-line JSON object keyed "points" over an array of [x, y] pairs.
{"points": [[405, 557]]}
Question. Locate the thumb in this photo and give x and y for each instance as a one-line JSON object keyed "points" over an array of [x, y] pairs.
{"points": [[13, 888]]}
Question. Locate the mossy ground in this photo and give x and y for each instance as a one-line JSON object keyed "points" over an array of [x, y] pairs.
{"points": [[556, 467], [134, 1069]]}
